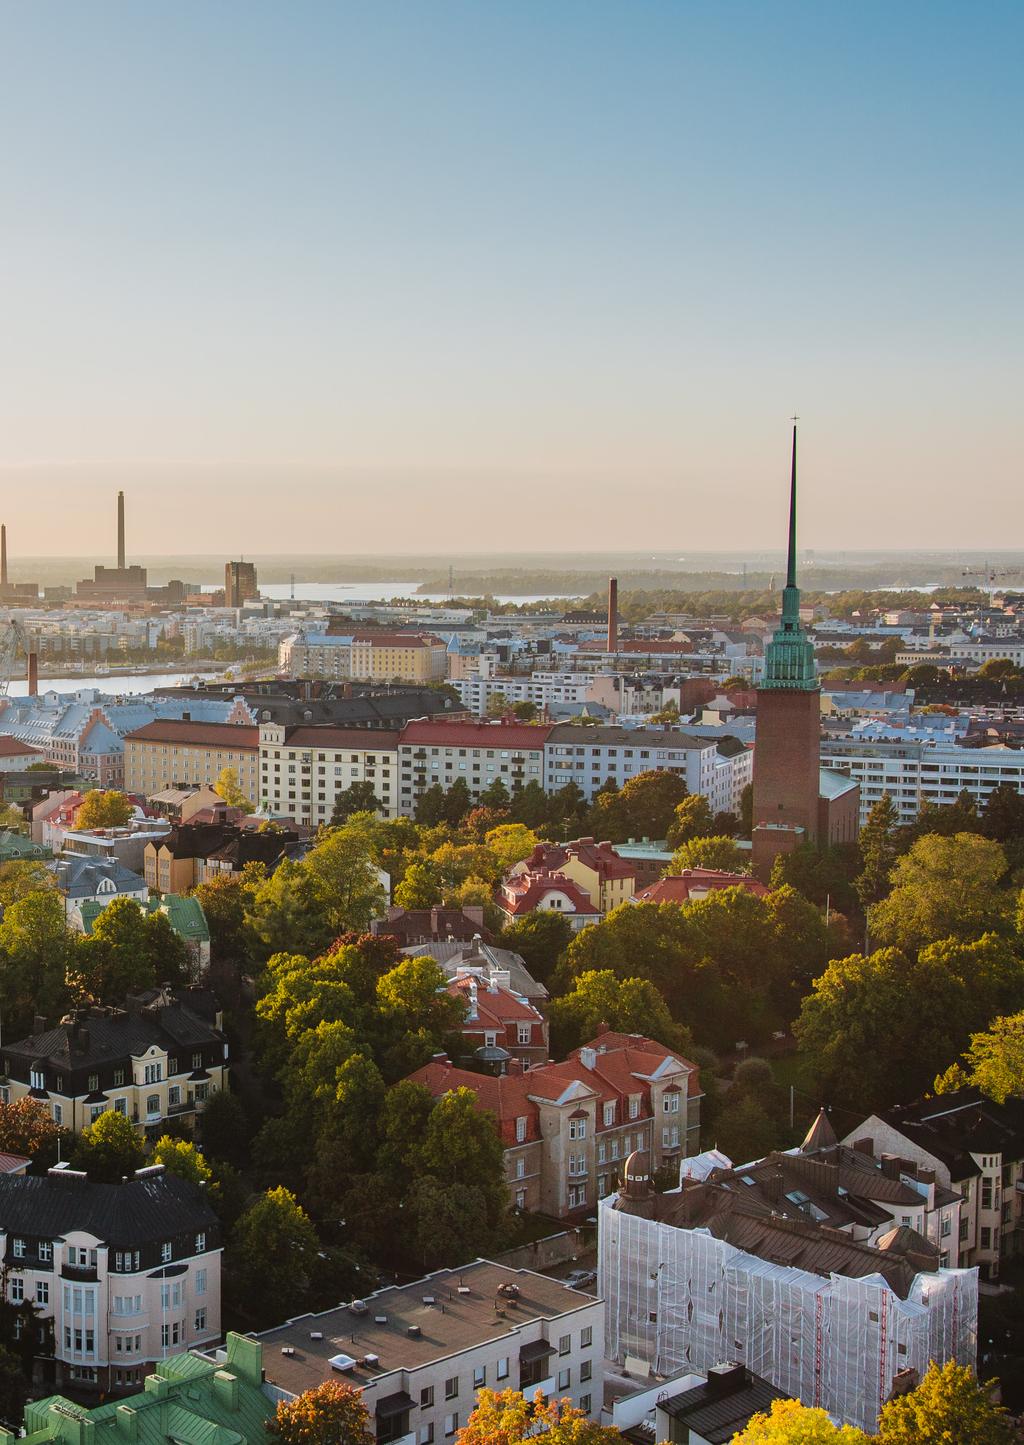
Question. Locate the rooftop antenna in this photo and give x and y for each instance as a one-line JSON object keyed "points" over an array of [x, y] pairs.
{"points": [[293, 586]]}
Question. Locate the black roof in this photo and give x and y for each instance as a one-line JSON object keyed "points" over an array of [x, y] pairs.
{"points": [[102, 1036], [722, 1406], [955, 1126], [136, 1212]]}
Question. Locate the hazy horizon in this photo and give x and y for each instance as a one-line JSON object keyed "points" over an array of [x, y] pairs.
{"points": [[410, 277]]}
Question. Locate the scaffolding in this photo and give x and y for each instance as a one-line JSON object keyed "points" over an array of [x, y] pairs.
{"points": [[681, 1299]]}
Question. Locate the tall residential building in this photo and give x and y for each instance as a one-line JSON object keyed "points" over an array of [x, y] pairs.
{"points": [[239, 583], [786, 754]]}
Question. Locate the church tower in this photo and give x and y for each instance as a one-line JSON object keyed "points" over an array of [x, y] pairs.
{"points": [[787, 746]]}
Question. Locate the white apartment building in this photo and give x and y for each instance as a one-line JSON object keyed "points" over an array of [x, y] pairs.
{"points": [[420, 1353], [542, 689], [303, 769], [123, 1274], [315, 654], [913, 771], [718, 769], [481, 753]]}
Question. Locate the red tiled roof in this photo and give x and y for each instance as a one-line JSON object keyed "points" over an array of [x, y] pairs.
{"points": [[12, 748], [525, 892], [13, 1163], [601, 857], [691, 882], [197, 734], [494, 1006], [371, 739], [475, 734]]}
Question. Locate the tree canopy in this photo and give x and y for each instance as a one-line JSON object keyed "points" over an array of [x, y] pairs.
{"points": [[99, 809], [332, 1413]]}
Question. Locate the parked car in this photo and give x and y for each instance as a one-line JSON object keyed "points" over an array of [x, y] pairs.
{"points": [[580, 1279]]}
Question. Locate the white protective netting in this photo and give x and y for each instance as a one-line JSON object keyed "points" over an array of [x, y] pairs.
{"points": [[681, 1299]]}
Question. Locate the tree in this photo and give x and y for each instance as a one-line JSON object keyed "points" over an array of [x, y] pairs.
{"points": [[497, 704], [109, 1149], [182, 1158], [495, 795], [790, 1423], [1003, 818], [22, 876], [228, 787], [224, 1128], [943, 888], [630, 1005], [104, 810], [948, 1405], [457, 802], [530, 805], [525, 710], [38, 949], [127, 951], [288, 911], [332, 1413], [358, 797], [719, 853], [508, 1418], [273, 1257], [461, 1145], [540, 938], [747, 810], [431, 807], [693, 819], [998, 668], [511, 843], [26, 1128], [995, 1059], [342, 866], [643, 808], [878, 851], [420, 888], [224, 900]]}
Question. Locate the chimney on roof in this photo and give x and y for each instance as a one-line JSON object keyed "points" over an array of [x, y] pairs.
{"points": [[613, 614], [120, 530], [33, 667], [39, 1024], [473, 1011], [890, 1166], [3, 555]]}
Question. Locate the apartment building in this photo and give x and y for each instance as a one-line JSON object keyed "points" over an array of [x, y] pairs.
{"points": [[419, 1353], [365, 656], [973, 1146], [303, 769], [911, 772], [195, 852], [185, 754], [120, 1273], [595, 867], [544, 690], [156, 1061], [568, 1128], [240, 584], [479, 753], [718, 769]]}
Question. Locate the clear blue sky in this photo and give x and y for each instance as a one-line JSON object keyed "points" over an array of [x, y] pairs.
{"points": [[509, 273]]}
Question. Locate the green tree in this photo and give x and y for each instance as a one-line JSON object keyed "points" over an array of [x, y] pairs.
{"points": [[421, 886], [109, 1149], [630, 1005], [497, 704], [878, 851], [495, 795], [431, 808], [949, 1405], [995, 1059], [288, 911], [331, 1413], [790, 1423], [643, 808], [943, 888], [104, 810], [693, 819], [745, 1128], [343, 867], [181, 1157], [461, 1146], [457, 802], [998, 668], [358, 797], [127, 951], [718, 853], [511, 843], [38, 951], [540, 938], [273, 1258], [530, 805], [22, 876], [525, 710], [1003, 818], [225, 900], [747, 810]]}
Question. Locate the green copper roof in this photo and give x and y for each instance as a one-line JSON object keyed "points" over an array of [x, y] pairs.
{"points": [[789, 657]]}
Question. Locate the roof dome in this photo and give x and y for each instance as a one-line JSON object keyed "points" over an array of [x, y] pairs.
{"points": [[636, 1176]]}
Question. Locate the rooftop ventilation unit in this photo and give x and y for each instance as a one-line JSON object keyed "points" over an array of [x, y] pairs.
{"points": [[428, 1299], [414, 1332], [358, 1307], [316, 1334], [465, 1289], [371, 1361], [287, 1349], [380, 1319]]}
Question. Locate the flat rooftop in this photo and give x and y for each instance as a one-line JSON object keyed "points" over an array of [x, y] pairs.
{"points": [[453, 1322]]}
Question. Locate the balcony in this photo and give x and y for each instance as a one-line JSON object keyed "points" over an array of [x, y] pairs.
{"points": [[188, 1107], [80, 1273]]}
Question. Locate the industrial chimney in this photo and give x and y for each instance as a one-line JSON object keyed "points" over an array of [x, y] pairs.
{"points": [[3, 555], [120, 531], [33, 671], [613, 614]]}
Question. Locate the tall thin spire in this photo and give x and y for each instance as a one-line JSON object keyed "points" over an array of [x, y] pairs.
{"points": [[791, 569]]}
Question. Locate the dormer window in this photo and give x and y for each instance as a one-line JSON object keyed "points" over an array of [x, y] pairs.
{"points": [[200, 1243], [166, 1252], [18, 1247], [37, 1079], [634, 1106], [609, 1114], [94, 1083]]}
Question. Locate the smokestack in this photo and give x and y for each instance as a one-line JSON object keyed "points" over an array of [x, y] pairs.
{"points": [[613, 614], [33, 673], [120, 530], [3, 555]]}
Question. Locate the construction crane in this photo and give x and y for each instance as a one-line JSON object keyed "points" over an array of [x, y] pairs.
{"points": [[12, 636]]}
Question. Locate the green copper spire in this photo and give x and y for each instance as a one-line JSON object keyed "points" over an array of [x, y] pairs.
{"points": [[789, 657]]}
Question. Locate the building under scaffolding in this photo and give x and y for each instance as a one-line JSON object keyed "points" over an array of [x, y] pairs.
{"points": [[702, 1275]]}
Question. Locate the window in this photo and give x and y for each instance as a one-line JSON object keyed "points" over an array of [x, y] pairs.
{"points": [[520, 1168], [451, 1424], [585, 1404], [165, 1335], [426, 1436], [577, 1196], [19, 1249], [609, 1114], [58, 1113], [564, 1344], [634, 1106], [153, 1104], [42, 1292], [197, 1061], [947, 1226], [520, 1131], [45, 1251], [200, 1244], [586, 1338], [166, 1251], [501, 1372], [200, 1281], [670, 1104], [152, 1074], [564, 1376], [986, 1194], [94, 1083], [577, 1128], [451, 1388], [426, 1397], [479, 1377], [118, 1078], [586, 1369], [200, 1321], [17, 1289]]}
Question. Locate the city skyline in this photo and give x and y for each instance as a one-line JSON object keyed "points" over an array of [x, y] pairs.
{"points": [[575, 265]]}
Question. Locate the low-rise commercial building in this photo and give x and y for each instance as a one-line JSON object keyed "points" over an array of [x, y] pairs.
{"points": [[419, 1353]]}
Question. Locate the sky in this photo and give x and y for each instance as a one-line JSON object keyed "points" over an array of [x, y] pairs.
{"points": [[509, 274]]}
